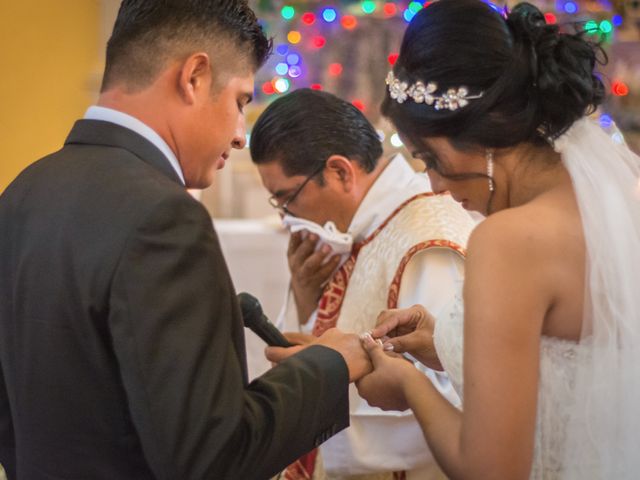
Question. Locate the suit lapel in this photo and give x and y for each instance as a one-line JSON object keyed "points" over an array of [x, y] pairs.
{"points": [[98, 132]]}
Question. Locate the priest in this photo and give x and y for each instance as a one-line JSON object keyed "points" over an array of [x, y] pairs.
{"points": [[322, 162]]}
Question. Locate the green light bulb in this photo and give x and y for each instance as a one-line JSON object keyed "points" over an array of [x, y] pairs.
{"points": [[288, 12], [605, 26], [368, 7], [591, 26], [415, 7]]}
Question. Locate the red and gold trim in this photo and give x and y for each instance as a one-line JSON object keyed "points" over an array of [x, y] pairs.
{"points": [[302, 469], [333, 295], [331, 301], [394, 288]]}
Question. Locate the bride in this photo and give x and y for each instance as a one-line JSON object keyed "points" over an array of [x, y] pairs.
{"points": [[550, 308]]}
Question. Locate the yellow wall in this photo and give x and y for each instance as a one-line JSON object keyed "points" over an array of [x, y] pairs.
{"points": [[49, 72]]}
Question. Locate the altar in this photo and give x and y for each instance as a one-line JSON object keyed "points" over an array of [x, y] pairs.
{"points": [[256, 254]]}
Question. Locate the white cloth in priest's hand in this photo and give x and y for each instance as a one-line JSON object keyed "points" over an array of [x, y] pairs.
{"points": [[328, 234]]}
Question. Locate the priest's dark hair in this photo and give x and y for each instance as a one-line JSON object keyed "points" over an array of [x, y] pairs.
{"points": [[302, 129], [535, 80], [149, 33]]}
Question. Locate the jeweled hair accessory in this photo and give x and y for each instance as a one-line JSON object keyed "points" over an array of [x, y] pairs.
{"points": [[452, 99]]}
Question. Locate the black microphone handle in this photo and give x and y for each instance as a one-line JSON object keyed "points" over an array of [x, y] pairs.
{"points": [[255, 319], [270, 334]]}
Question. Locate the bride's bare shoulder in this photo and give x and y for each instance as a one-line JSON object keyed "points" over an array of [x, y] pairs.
{"points": [[526, 230]]}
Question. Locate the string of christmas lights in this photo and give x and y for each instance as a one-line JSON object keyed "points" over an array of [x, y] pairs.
{"points": [[310, 26]]}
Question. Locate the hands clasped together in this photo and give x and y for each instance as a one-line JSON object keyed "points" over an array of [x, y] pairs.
{"points": [[375, 361]]}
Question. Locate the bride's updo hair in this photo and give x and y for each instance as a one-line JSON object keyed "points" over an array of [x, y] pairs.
{"points": [[535, 81]]}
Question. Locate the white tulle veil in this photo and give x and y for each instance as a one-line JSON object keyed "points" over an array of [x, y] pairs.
{"points": [[606, 420]]}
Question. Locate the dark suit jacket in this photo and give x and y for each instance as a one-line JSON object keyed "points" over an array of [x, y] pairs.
{"points": [[121, 341]]}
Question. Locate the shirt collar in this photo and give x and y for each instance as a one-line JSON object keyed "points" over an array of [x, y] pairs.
{"points": [[397, 183], [127, 121]]}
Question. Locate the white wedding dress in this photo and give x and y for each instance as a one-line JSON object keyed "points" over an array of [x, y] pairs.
{"points": [[588, 416], [558, 359]]}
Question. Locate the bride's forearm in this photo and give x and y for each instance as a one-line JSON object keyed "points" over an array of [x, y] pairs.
{"points": [[441, 424]]}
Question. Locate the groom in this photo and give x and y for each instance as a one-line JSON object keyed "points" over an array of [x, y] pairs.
{"points": [[121, 340]]}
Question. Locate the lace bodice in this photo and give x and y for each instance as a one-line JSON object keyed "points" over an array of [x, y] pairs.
{"points": [[558, 361]]}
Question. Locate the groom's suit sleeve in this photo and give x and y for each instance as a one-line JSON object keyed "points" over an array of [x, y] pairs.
{"points": [[177, 337], [7, 437]]}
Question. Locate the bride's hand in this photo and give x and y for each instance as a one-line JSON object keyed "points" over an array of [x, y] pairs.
{"points": [[385, 386], [408, 330]]}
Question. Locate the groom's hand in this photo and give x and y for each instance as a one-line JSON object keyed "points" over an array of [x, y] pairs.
{"points": [[347, 344]]}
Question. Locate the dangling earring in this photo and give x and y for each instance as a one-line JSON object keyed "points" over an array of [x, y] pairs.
{"points": [[489, 156]]}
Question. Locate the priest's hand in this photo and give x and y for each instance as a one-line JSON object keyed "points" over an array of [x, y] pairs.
{"points": [[347, 344], [310, 270], [408, 330]]}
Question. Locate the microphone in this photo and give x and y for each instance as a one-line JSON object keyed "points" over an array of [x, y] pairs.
{"points": [[259, 324]]}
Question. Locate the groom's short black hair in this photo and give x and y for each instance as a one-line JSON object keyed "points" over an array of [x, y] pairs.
{"points": [[149, 33]]}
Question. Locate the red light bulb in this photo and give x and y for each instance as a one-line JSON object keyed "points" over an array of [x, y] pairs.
{"points": [[308, 18]]}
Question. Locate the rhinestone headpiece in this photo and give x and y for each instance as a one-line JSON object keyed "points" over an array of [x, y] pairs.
{"points": [[453, 99]]}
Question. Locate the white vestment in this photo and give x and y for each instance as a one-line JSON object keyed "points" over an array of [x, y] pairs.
{"points": [[379, 441]]}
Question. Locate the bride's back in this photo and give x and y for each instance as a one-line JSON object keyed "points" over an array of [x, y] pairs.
{"points": [[556, 218]]}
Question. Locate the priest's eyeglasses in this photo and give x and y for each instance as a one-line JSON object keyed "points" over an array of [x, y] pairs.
{"points": [[284, 207]]}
